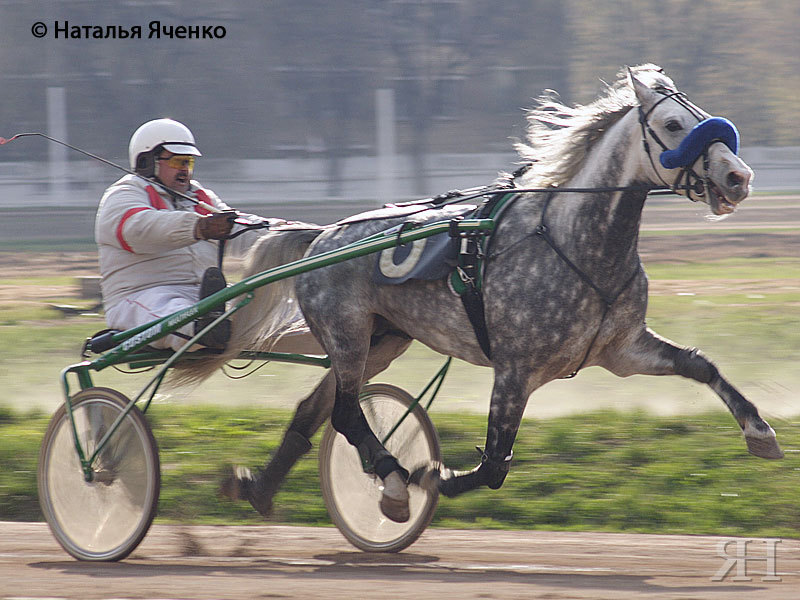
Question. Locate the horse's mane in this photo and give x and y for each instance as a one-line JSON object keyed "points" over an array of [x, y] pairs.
{"points": [[559, 136]]}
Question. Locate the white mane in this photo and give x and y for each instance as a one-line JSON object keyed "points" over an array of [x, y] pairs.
{"points": [[559, 136]]}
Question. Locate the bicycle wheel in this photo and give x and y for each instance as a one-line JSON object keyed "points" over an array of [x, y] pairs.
{"points": [[105, 519], [352, 497]]}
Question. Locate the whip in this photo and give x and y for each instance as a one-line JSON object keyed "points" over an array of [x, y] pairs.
{"points": [[205, 205]]}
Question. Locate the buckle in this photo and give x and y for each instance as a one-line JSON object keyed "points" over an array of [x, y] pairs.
{"points": [[453, 230]]}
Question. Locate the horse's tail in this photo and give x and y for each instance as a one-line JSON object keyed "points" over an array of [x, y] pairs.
{"points": [[273, 311]]}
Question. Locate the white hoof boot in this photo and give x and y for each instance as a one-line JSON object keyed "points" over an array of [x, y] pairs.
{"points": [[394, 501], [762, 442]]}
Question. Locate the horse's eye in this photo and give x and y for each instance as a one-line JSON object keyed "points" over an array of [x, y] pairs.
{"points": [[673, 126]]}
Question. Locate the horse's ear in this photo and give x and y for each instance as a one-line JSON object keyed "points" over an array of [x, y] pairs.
{"points": [[643, 93]]}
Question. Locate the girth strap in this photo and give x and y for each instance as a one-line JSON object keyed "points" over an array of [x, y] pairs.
{"points": [[469, 282]]}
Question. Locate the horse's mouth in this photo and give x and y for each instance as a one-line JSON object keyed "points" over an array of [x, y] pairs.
{"points": [[720, 205]]}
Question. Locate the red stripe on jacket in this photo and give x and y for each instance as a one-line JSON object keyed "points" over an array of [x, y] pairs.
{"points": [[203, 197], [156, 201], [128, 214]]}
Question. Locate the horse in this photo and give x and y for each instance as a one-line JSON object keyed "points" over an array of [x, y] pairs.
{"points": [[563, 284]]}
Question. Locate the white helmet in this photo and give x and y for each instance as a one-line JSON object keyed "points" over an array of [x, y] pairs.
{"points": [[171, 135]]}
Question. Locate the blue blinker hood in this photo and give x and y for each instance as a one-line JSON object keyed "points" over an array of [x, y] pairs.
{"points": [[702, 135]]}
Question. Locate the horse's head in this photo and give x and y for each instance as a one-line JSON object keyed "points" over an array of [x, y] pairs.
{"points": [[686, 148]]}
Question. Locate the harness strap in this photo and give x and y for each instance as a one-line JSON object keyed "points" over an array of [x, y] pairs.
{"points": [[608, 299], [472, 299], [468, 272]]}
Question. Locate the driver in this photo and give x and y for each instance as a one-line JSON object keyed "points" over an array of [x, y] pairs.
{"points": [[156, 250]]}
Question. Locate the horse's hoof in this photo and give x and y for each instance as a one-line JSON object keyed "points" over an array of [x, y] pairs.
{"points": [[764, 447], [426, 478], [239, 484], [395, 510], [236, 483], [394, 500]]}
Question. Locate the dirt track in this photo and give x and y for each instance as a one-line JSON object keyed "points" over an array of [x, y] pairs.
{"points": [[197, 563]]}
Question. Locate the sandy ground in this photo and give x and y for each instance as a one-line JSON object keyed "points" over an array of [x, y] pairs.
{"points": [[203, 562]]}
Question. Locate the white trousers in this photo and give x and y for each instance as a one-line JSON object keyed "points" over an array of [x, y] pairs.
{"points": [[157, 302], [151, 304]]}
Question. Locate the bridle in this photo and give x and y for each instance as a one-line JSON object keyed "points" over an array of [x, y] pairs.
{"points": [[695, 184]]}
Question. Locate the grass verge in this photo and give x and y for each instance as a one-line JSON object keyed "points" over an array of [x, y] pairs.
{"points": [[604, 471]]}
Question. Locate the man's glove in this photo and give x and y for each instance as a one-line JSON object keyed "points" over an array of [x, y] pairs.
{"points": [[215, 226]]}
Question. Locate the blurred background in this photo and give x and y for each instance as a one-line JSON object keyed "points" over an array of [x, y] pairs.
{"points": [[312, 109]]}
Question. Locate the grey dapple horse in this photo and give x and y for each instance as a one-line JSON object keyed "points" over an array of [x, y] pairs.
{"points": [[563, 284]]}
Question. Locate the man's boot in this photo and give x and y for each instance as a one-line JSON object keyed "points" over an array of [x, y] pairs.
{"points": [[213, 281]]}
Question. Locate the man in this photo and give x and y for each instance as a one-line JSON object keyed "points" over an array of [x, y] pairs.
{"points": [[157, 253], [157, 257]]}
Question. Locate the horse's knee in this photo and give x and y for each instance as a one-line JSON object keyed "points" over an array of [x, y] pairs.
{"points": [[692, 363]]}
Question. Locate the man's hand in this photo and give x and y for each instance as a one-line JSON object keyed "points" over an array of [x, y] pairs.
{"points": [[215, 226]]}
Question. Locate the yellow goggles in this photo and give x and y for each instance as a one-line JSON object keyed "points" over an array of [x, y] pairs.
{"points": [[180, 161]]}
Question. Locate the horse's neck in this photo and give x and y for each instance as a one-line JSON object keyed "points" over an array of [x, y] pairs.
{"points": [[602, 227]]}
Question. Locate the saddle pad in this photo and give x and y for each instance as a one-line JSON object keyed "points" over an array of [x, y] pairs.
{"points": [[429, 258], [390, 211]]}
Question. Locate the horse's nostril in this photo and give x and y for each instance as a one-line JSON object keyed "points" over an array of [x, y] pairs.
{"points": [[735, 179]]}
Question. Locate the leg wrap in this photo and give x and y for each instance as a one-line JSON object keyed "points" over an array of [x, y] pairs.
{"points": [[259, 490], [377, 459], [351, 424], [693, 364], [490, 472], [293, 446]]}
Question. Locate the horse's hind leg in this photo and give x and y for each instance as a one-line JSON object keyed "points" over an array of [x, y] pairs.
{"points": [[260, 488], [348, 362], [651, 354], [311, 413]]}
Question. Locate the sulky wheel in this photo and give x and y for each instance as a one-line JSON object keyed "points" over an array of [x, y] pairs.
{"points": [[352, 496], [106, 518]]}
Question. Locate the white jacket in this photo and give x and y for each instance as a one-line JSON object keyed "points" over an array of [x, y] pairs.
{"points": [[146, 239]]}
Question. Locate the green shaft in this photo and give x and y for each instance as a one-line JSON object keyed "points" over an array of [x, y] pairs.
{"points": [[138, 337]]}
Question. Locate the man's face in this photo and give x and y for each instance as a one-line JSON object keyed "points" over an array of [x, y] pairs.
{"points": [[175, 170]]}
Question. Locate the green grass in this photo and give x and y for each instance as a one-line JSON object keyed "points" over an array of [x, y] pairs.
{"points": [[603, 471], [753, 338], [728, 268]]}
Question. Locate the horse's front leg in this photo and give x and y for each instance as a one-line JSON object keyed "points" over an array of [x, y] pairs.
{"points": [[650, 354], [509, 397]]}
